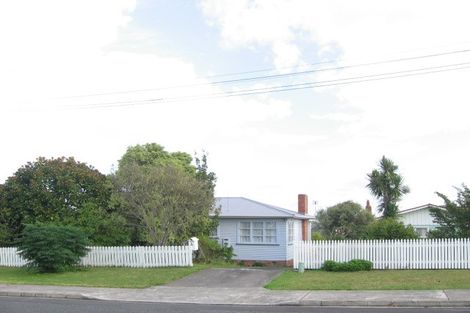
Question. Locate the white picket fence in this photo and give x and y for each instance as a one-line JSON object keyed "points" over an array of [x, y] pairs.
{"points": [[10, 257], [154, 256], [387, 254]]}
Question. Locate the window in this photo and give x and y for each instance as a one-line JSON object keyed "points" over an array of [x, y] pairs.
{"points": [[245, 232], [290, 231], [422, 232], [257, 232]]}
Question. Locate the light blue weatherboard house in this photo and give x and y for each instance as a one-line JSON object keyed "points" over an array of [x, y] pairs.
{"points": [[260, 232]]}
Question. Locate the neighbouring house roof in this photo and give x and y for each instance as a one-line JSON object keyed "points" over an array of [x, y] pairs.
{"points": [[418, 208], [239, 207]]}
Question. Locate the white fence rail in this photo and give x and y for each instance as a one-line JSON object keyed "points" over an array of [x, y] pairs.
{"points": [[155, 256], [387, 254]]}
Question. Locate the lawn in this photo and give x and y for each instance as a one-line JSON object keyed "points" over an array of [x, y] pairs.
{"points": [[117, 277], [373, 280]]}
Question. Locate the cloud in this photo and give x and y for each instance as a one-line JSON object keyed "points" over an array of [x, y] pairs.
{"points": [[62, 49], [368, 120]]}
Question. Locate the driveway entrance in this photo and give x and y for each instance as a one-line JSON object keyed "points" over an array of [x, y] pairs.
{"points": [[228, 278]]}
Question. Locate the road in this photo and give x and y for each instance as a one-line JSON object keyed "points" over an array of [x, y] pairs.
{"points": [[38, 305]]}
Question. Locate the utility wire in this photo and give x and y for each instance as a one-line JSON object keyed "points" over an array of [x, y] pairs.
{"points": [[307, 64], [289, 87], [275, 76]]}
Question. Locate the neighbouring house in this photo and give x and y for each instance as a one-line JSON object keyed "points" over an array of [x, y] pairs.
{"points": [[260, 232], [420, 218]]}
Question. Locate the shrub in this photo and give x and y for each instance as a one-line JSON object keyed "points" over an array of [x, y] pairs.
{"points": [[351, 266], [390, 228], [52, 248], [210, 250], [329, 265], [316, 235]]}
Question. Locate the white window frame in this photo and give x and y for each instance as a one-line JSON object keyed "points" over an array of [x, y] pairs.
{"points": [[250, 232], [422, 231], [290, 231]]}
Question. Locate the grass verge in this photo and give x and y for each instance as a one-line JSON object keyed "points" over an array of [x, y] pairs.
{"points": [[373, 280], [111, 277]]}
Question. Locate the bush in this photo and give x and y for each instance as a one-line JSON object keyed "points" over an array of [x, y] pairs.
{"points": [[390, 228], [355, 265], [210, 250], [316, 235], [52, 248]]}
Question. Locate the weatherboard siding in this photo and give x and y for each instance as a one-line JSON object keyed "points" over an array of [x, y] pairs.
{"points": [[417, 218], [228, 233]]}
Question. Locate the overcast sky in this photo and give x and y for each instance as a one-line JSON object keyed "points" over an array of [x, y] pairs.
{"points": [[90, 78]]}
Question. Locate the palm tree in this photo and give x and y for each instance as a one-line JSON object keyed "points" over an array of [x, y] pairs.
{"points": [[387, 185]]}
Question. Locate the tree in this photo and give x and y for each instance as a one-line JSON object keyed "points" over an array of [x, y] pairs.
{"points": [[203, 174], [454, 218], [153, 154], [164, 203], [149, 167], [346, 220], [388, 186], [59, 191], [390, 228]]}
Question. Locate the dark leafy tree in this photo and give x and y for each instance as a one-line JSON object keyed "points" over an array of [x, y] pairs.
{"points": [[454, 217], [346, 220], [388, 186], [60, 191]]}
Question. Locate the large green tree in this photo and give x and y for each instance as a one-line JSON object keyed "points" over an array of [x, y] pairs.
{"points": [[346, 220], [454, 217], [388, 186], [166, 205], [153, 154], [165, 197], [59, 191]]}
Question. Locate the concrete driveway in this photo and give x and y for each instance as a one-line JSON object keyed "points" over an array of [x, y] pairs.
{"points": [[228, 278]]}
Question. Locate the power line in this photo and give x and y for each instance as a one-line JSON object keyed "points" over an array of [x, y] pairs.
{"points": [[289, 87], [275, 76]]}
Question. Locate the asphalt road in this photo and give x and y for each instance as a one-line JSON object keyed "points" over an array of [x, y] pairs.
{"points": [[38, 305]]}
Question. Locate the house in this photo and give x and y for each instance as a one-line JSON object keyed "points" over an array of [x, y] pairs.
{"points": [[260, 232], [420, 218]]}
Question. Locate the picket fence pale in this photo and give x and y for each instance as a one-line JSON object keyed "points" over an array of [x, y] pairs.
{"points": [[387, 254], [154, 256]]}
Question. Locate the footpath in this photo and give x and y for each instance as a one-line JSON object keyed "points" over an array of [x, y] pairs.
{"points": [[249, 296]]}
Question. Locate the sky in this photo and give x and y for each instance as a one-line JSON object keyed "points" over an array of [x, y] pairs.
{"points": [[90, 78]]}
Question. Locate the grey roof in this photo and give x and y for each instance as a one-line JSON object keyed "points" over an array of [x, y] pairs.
{"points": [[233, 207], [418, 208]]}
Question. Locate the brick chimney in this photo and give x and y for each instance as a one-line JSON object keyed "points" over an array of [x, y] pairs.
{"points": [[303, 204], [368, 207], [303, 209]]}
